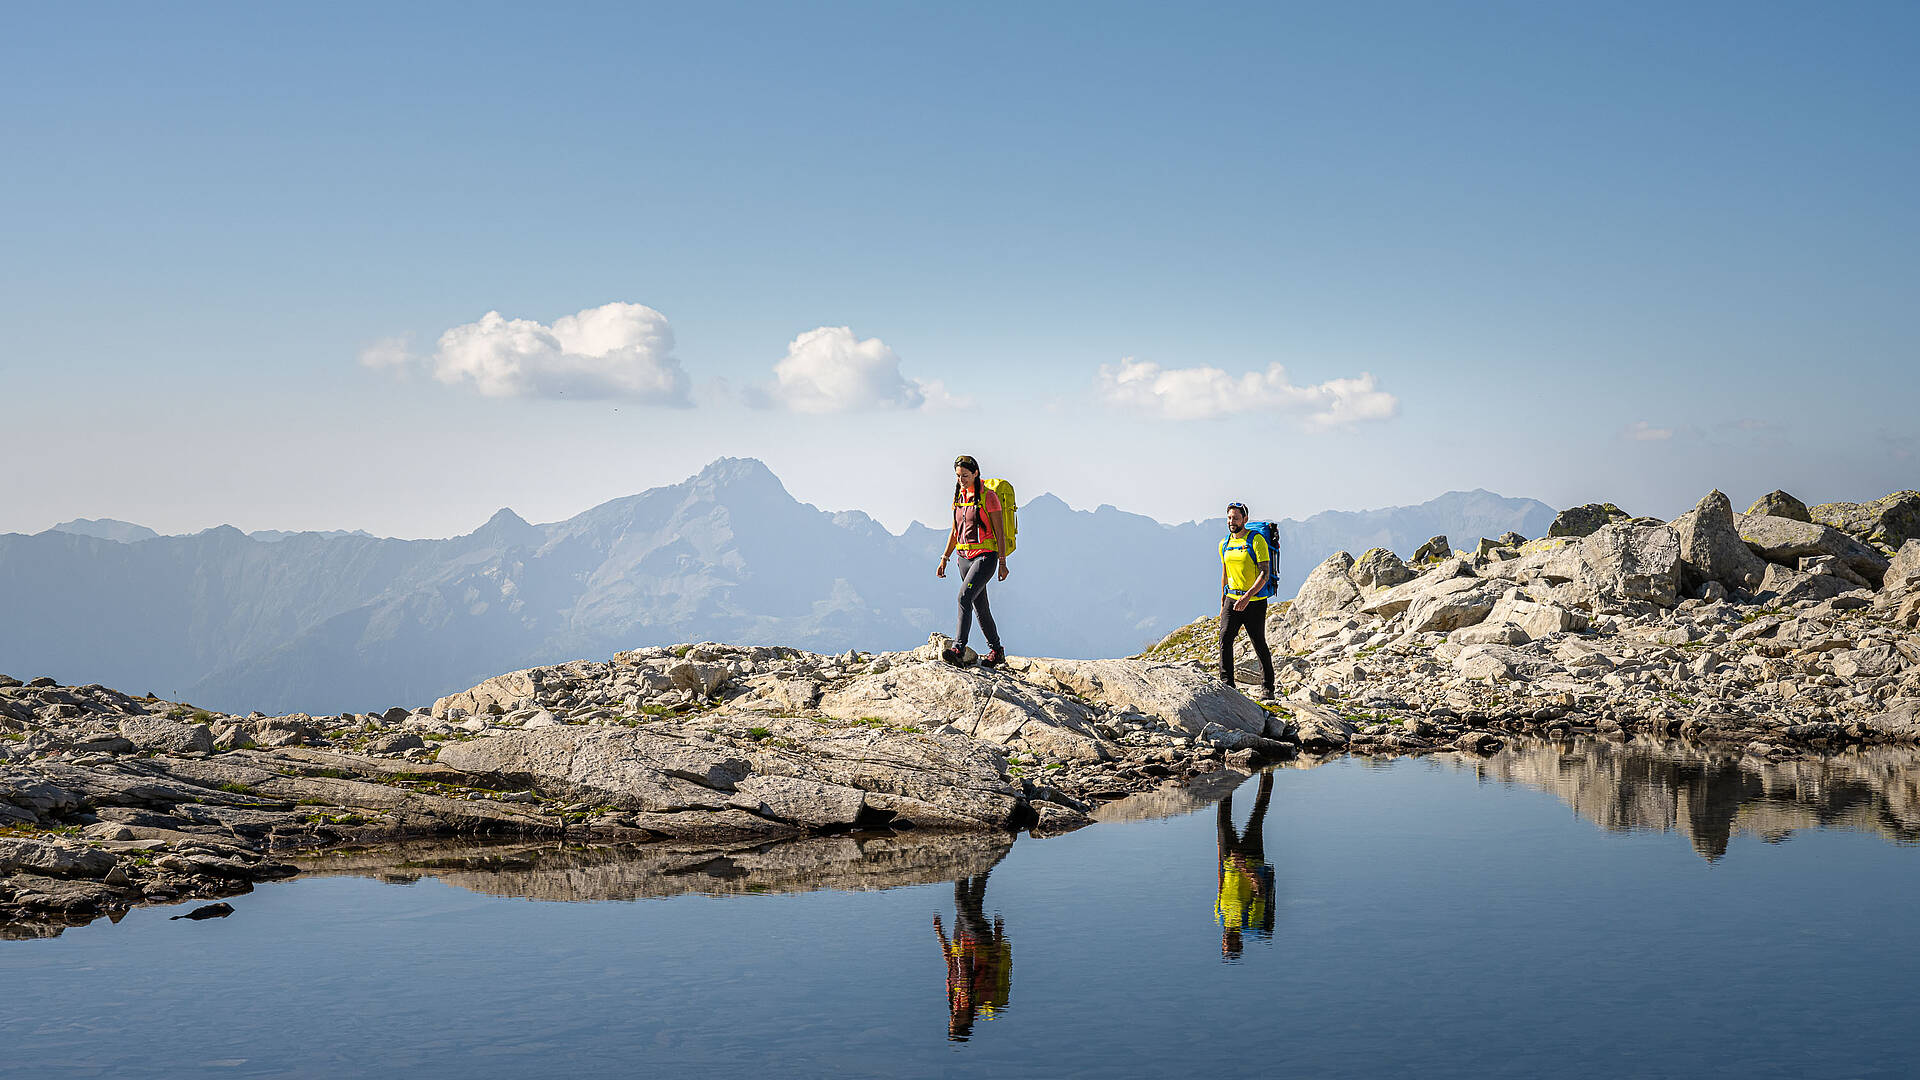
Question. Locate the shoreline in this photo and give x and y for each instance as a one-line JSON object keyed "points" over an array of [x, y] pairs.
{"points": [[109, 801]]}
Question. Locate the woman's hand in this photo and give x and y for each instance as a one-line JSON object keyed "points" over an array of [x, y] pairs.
{"points": [[942, 571], [1003, 571], [1241, 605]]}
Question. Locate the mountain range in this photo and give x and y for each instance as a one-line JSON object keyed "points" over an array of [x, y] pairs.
{"points": [[331, 622]]}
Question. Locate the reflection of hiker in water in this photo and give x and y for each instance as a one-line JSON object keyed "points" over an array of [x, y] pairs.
{"points": [[1246, 881], [979, 959]]}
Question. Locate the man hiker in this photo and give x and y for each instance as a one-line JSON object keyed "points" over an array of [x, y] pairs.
{"points": [[1245, 900], [977, 523], [1245, 564]]}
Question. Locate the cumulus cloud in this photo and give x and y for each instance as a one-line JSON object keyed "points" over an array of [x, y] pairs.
{"points": [[389, 354], [1641, 431], [613, 351], [1203, 393], [829, 370]]}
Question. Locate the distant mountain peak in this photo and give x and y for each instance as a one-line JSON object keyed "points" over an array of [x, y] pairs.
{"points": [[507, 527], [741, 476], [730, 470], [122, 532]]}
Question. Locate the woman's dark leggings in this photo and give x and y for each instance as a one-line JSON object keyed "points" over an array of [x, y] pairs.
{"points": [[975, 572], [1255, 620]]}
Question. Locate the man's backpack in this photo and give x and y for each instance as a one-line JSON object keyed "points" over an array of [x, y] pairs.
{"points": [[1271, 532], [1003, 490]]}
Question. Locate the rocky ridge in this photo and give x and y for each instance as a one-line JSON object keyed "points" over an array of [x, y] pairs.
{"points": [[1779, 635], [109, 800], [1762, 632]]}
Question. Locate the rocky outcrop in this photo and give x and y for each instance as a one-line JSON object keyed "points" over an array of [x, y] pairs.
{"points": [[1636, 628], [1578, 521], [1886, 522], [108, 800], [1620, 564], [1786, 543], [1711, 548], [1378, 568], [1899, 599], [702, 744], [1779, 504], [1328, 588]]}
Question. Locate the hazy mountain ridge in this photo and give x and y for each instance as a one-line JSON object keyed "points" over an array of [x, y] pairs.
{"points": [[324, 623]]}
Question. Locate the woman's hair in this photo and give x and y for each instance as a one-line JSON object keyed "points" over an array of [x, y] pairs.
{"points": [[965, 461]]}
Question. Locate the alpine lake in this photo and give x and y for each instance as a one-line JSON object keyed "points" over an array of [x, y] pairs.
{"points": [[1577, 908]]}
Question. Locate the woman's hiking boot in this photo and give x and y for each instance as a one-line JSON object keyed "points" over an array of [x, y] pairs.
{"points": [[994, 658], [952, 655]]}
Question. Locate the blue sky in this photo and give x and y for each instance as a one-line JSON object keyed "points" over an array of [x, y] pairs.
{"points": [[1584, 251]]}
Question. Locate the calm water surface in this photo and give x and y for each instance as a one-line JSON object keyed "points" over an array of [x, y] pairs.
{"points": [[1584, 911]]}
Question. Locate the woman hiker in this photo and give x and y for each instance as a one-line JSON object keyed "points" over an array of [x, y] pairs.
{"points": [[1245, 564], [977, 521]]}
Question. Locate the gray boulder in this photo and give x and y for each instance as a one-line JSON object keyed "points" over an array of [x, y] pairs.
{"points": [[1016, 715], [1785, 585], [1489, 662], [54, 859], [1536, 620], [1399, 598], [1452, 604], [629, 768], [1585, 520], [1785, 542], [1621, 563], [1327, 589], [1177, 694], [1436, 549], [1903, 572], [1379, 568], [502, 693], [1888, 521], [162, 736], [1489, 633], [1777, 503], [1832, 566], [811, 803], [1318, 727], [1711, 548]]}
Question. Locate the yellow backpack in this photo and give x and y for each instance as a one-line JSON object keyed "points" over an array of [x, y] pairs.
{"points": [[1003, 490]]}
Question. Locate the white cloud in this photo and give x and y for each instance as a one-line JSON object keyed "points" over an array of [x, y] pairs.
{"points": [[389, 354], [613, 351], [1641, 431], [829, 370], [1203, 393]]}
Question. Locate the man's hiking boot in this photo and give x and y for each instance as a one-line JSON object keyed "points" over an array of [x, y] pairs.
{"points": [[952, 654], [994, 658]]}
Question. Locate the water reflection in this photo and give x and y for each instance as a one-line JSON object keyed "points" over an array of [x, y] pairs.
{"points": [[1245, 895], [552, 871], [1711, 794], [979, 959]]}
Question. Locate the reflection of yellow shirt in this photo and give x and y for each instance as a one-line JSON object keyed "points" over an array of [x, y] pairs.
{"points": [[981, 970], [1239, 905], [1242, 558]]}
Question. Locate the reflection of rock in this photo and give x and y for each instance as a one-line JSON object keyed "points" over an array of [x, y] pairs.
{"points": [[553, 871], [1173, 800], [1710, 795]]}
